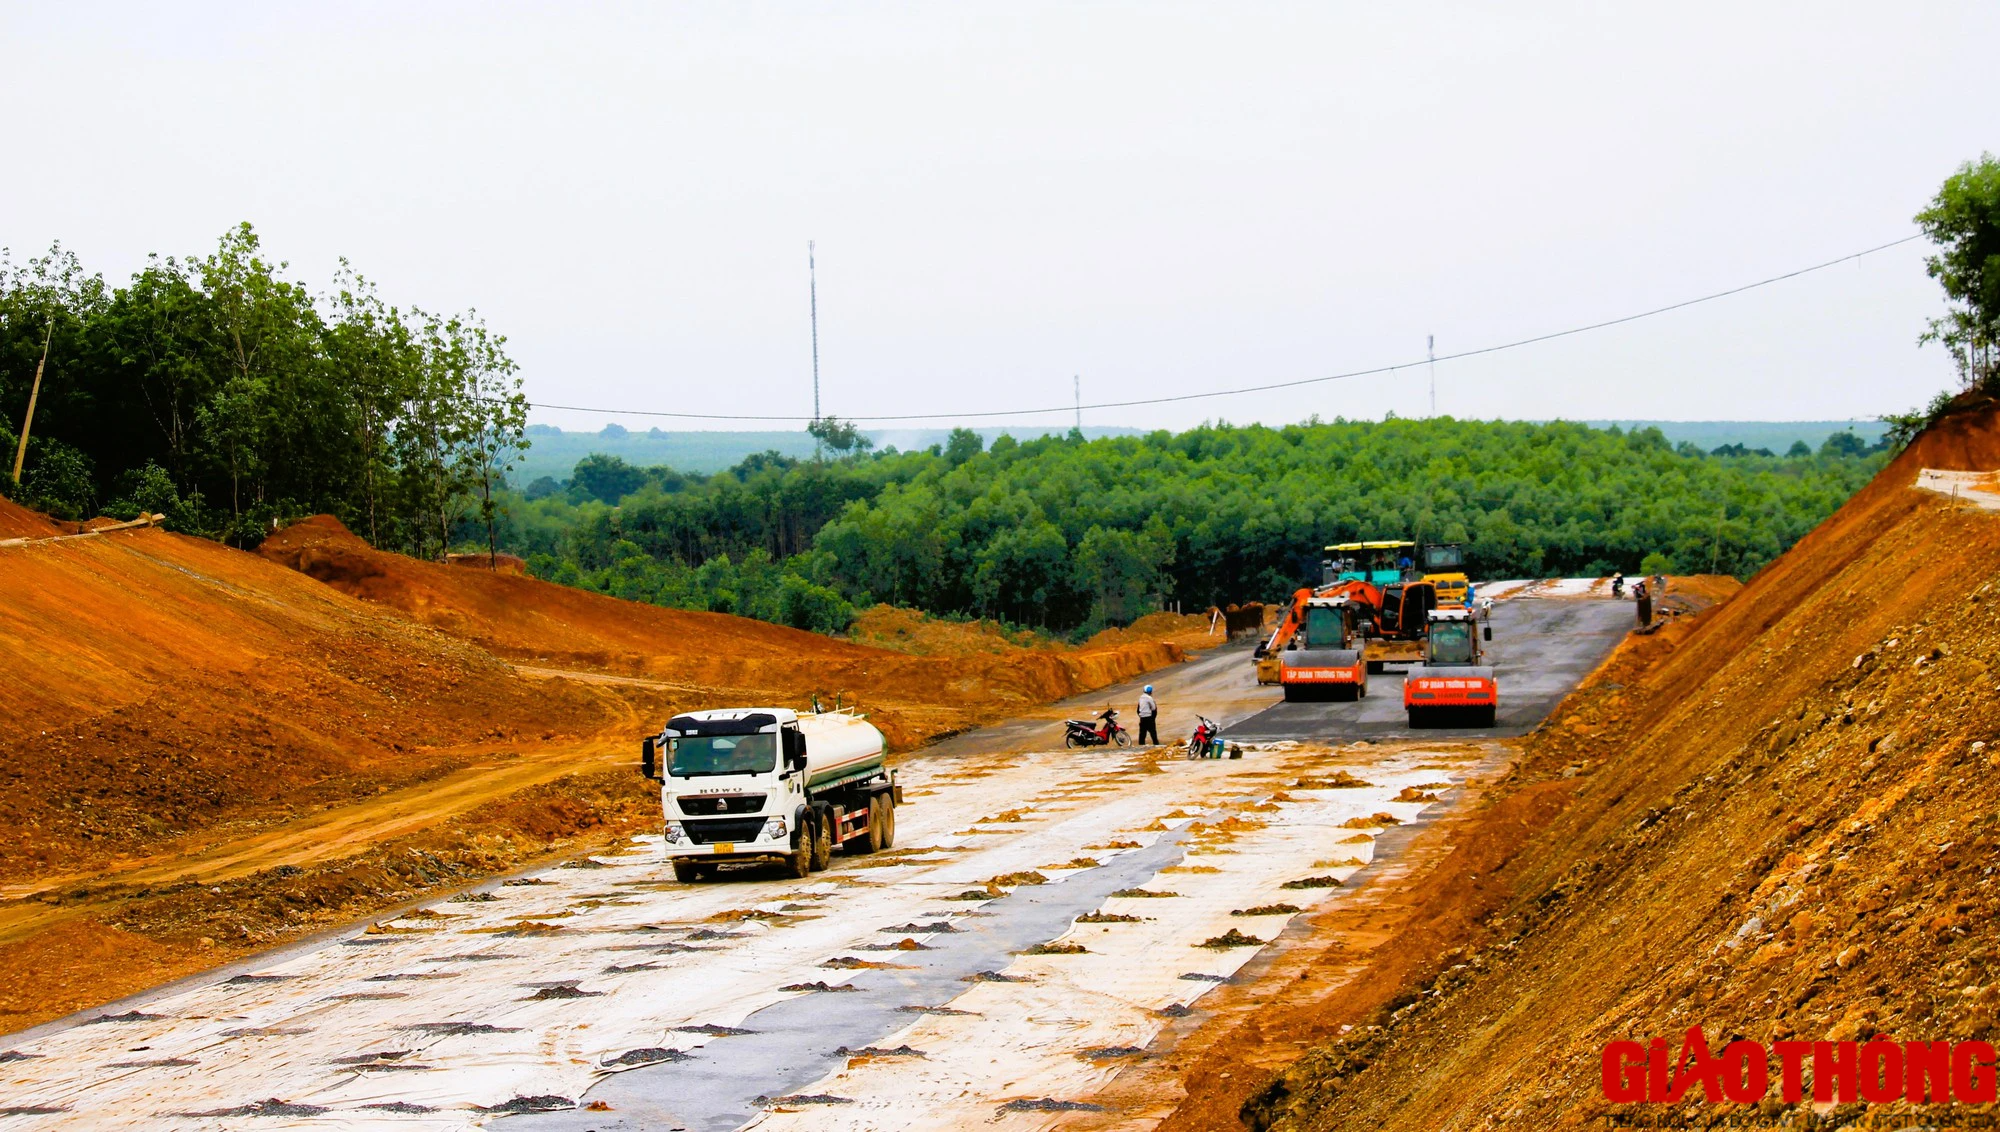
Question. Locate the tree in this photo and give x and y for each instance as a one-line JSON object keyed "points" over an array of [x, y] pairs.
{"points": [[1963, 220], [375, 359], [496, 415], [606, 479], [841, 436], [962, 445]]}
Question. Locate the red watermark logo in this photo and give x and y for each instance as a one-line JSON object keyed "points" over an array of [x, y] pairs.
{"points": [[1876, 1072]]}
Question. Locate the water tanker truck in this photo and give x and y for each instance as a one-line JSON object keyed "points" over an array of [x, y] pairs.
{"points": [[761, 784]]}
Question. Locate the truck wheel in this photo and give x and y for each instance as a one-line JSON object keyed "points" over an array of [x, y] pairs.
{"points": [[871, 839], [822, 842], [1290, 698], [1488, 715], [1420, 718], [798, 863], [888, 821], [687, 872]]}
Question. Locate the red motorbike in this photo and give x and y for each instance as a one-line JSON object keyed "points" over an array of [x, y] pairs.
{"points": [[1088, 733], [1203, 744]]}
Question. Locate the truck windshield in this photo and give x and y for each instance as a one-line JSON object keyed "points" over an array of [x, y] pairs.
{"points": [[1324, 628], [1443, 559], [697, 755], [1451, 642]]}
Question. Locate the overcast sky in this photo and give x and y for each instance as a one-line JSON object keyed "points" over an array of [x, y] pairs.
{"points": [[1164, 199]]}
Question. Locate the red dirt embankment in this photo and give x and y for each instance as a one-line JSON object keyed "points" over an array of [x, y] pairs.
{"points": [[156, 685], [1781, 828], [533, 622]]}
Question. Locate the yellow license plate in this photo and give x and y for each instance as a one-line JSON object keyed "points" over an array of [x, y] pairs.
{"points": [[725, 847]]}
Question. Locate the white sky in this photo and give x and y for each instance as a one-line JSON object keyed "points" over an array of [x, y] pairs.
{"points": [[1163, 198]]}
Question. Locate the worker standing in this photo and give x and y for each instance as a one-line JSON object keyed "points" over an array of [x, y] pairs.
{"points": [[1643, 595], [1149, 711]]}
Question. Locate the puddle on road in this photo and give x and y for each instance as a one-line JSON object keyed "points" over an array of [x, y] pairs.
{"points": [[720, 1085]]}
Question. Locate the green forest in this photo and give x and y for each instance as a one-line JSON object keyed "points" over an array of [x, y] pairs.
{"points": [[217, 392], [1068, 535]]}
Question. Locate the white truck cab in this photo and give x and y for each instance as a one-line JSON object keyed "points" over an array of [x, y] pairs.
{"points": [[750, 784]]}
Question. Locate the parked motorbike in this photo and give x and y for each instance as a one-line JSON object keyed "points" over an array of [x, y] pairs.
{"points": [[1089, 733], [1204, 743], [1618, 586]]}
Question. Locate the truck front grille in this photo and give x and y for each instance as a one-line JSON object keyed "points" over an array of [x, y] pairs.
{"points": [[700, 805], [722, 829]]}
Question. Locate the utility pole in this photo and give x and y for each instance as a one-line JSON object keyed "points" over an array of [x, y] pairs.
{"points": [[1076, 384], [1431, 349], [812, 287], [34, 394]]}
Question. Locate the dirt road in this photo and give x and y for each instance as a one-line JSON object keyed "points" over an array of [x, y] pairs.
{"points": [[1045, 915]]}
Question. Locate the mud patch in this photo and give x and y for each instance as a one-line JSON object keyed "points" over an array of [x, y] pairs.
{"points": [[804, 1099], [128, 1016], [549, 1103], [820, 986], [457, 1029], [1049, 1104], [877, 1051], [651, 1055], [272, 1107]]}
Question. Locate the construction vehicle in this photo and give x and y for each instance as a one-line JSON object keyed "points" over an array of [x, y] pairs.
{"points": [[1387, 562], [1454, 685], [1326, 661], [757, 784], [1378, 563], [1391, 584], [1442, 564]]}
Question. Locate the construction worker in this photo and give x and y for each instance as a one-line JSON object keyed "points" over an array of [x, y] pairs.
{"points": [[1643, 594], [1149, 712]]}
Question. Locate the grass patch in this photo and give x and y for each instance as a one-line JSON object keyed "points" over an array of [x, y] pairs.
{"points": [[1268, 910], [1142, 893], [1312, 882], [1106, 918], [1229, 939]]}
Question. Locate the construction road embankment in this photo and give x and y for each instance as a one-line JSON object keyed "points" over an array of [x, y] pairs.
{"points": [[1046, 915]]}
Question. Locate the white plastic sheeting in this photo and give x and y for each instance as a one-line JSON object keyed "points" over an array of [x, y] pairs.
{"points": [[444, 1017]]}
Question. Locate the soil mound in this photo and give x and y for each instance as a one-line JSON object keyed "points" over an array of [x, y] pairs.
{"points": [[1774, 821], [17, 521], [532, 622], [155, 685]]}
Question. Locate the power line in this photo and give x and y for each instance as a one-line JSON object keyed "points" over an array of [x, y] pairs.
{"points": [[1264, 388]]}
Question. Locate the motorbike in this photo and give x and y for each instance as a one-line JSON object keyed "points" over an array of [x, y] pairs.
{"points": [[1618, 586], [1087, 733], [1203, 744]]}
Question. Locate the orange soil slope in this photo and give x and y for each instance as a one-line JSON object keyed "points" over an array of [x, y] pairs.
{"points": [[535, 622], [154, 684], [1783, 829], [17, 521]]}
